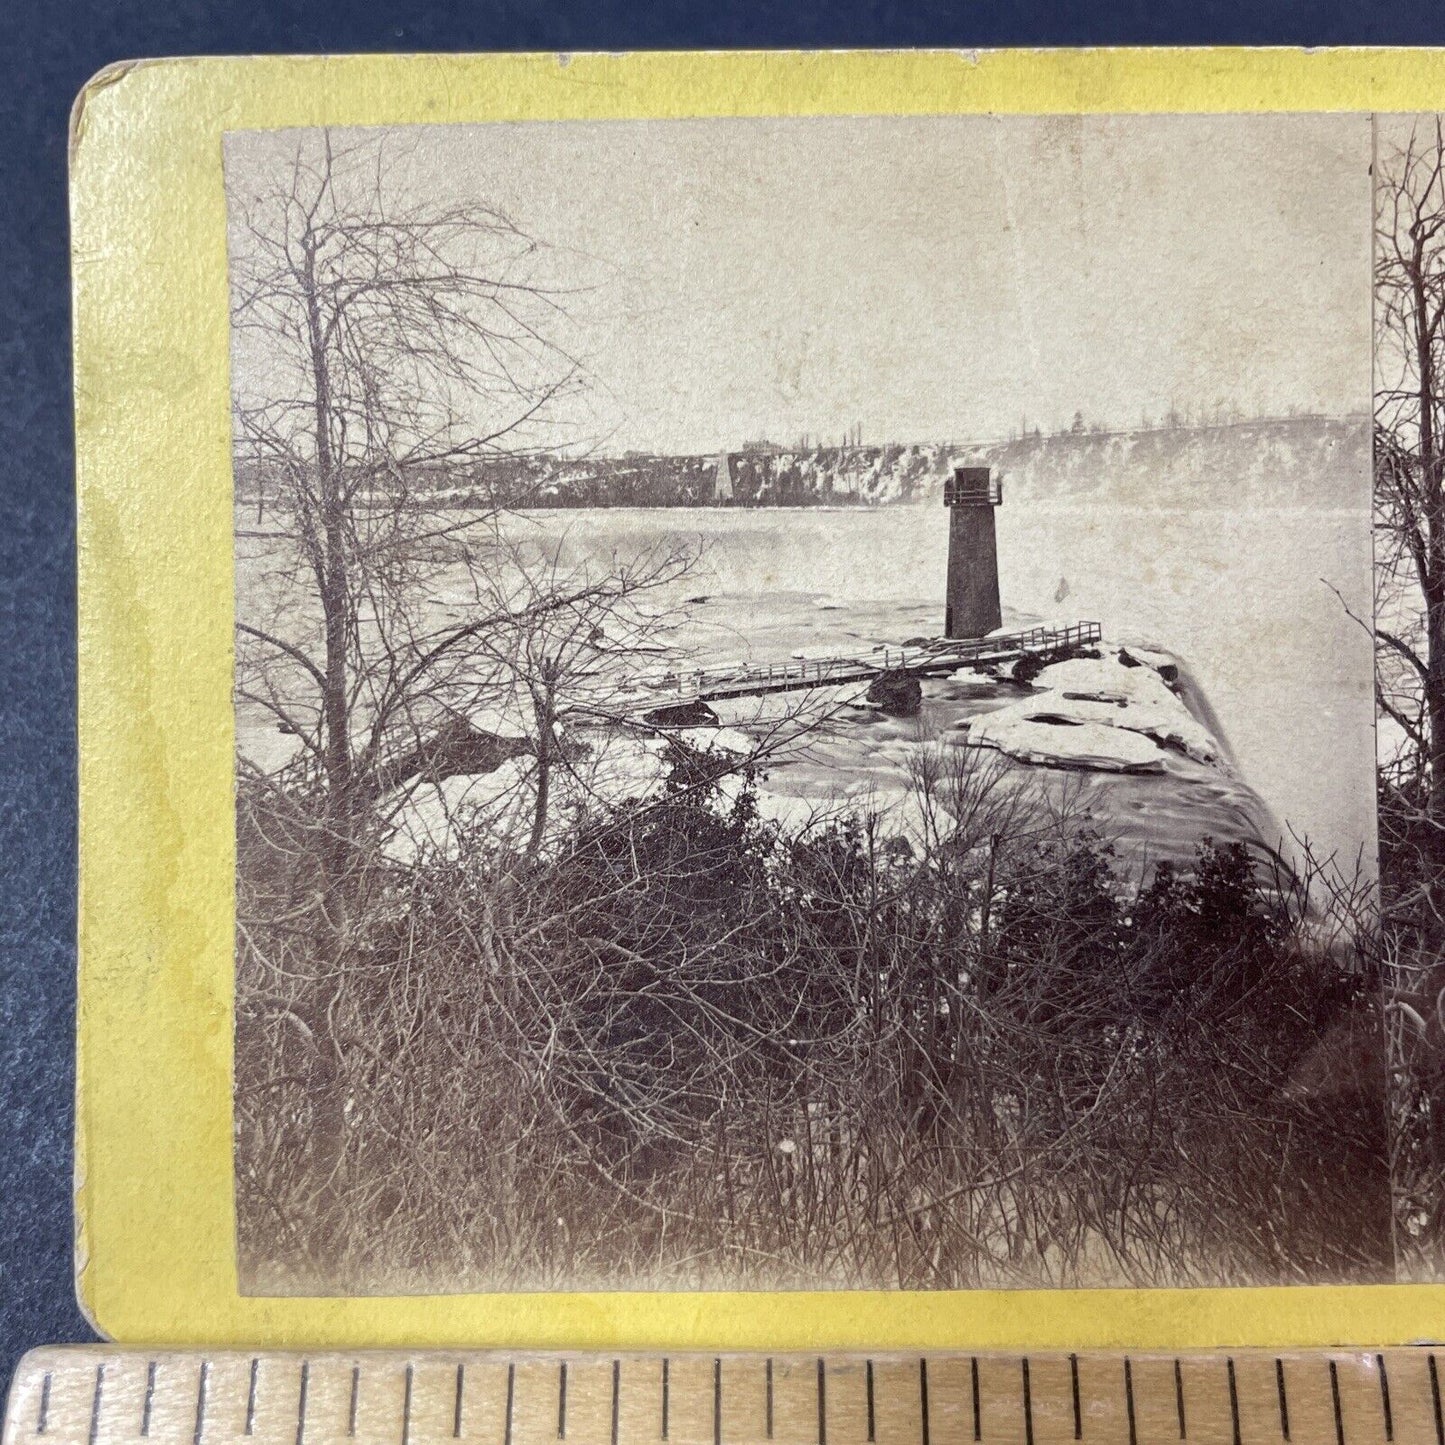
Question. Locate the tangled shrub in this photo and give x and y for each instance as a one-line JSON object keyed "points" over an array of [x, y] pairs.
{"points": [[682, 1047]]}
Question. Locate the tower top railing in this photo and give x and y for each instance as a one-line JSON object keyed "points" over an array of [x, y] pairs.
{"points": [[972, 487]]}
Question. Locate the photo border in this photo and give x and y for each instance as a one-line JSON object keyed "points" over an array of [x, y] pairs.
{"points": [[155, 1252]]}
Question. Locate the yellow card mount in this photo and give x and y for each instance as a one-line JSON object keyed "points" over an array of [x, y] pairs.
{"points": [[191, 1397]]}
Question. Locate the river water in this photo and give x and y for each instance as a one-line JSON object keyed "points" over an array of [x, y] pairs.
{"points": [[1242, 597], [1271, 660]]}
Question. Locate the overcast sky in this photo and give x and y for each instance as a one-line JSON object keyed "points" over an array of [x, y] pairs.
{"points": [[927, 279]]}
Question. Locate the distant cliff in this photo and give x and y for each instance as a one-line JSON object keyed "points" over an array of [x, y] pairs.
{"points": [[1321, 461], [1284, 461]]}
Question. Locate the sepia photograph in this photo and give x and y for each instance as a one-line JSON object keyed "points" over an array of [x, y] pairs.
{"points": [[809, 711]]}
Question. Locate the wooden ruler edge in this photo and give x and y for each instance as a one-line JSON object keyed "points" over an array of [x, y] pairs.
{"points": [[1345, 1396]]}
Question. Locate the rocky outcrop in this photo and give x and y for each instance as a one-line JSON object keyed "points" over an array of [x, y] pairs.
{"points": [[1161, 662], [1054, 740], [682, 715], [456, 749], [1112, 713], [896, 693]]}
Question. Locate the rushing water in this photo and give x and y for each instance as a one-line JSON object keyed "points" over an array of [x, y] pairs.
{"points": [[1272, 663], [1243, 598]]}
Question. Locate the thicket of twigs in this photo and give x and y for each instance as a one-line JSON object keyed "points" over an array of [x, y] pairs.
{"points": [[679, 1048], [1409, 632], [1412, 888]]}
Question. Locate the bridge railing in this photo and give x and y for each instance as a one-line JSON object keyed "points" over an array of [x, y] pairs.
{"points": [[845, 667]]}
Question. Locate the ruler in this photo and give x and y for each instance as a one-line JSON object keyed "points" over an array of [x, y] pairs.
{"points": [[100, 1394]]}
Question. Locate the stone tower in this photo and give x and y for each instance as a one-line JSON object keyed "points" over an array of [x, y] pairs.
{"points": [[972, 609]]}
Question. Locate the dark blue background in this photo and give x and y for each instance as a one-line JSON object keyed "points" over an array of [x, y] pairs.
{"points": [[47, 51]]}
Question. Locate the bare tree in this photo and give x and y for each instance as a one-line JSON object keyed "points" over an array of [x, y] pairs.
{"points": [[388, 347], [392, 358], [384, 351], [1410, 660], [1410, 432]]}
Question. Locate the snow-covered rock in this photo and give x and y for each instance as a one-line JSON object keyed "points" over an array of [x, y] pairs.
{"points": [[1134, 697], [1098, 713], [1092, 745], [1105, 679], [1164, 663], [438, 817]]}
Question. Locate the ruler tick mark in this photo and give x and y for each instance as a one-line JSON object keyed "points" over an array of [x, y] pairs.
{"points": [[1146, 1415], [1385, 1409], [149, 1401], [301, 1401], [99, 1389], [251, 1396], [822, 1405], [43, 1418], [1435, 1400], [205, 1380]]}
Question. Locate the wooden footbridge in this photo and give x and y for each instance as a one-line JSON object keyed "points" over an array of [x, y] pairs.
{"points": [[925, 659]]}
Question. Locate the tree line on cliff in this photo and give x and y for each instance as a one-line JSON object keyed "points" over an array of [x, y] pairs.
{"points": [[1224, 464]]}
